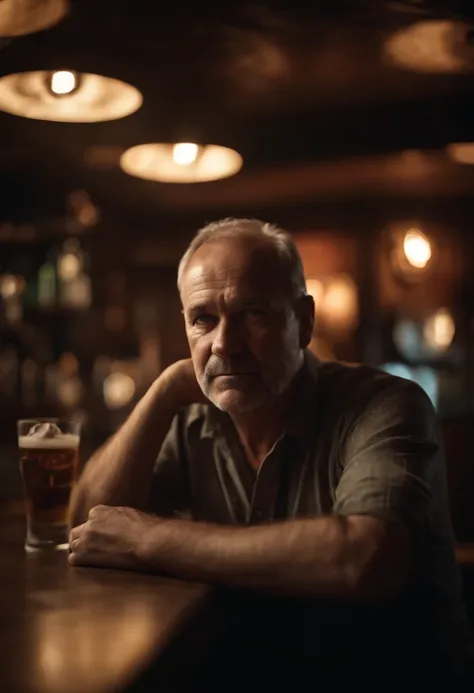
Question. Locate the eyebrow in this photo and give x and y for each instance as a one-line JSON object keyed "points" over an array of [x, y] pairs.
{"points": [[199, 307]]}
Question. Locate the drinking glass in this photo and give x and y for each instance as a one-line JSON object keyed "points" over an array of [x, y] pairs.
{"points": [[48, 463]]}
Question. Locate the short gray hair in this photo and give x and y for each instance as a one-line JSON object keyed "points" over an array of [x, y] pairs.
{"points": [[279, 239]]}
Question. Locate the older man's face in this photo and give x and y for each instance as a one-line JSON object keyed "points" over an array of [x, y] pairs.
{"points": [[243, 330]]}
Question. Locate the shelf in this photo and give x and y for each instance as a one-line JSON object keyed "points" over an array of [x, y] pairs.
{"points": [[56, 310]]}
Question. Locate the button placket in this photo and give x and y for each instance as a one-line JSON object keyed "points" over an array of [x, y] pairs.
{"points": [[266, 484]]}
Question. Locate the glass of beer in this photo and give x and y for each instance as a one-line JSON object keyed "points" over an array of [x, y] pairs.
{"points": [[48, 463]]}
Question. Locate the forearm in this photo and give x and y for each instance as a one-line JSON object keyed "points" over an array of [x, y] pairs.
{"points": [[119, 473], [300, 557]]}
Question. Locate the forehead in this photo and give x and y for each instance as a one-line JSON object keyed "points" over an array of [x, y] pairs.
{"points": [[241, 267]]}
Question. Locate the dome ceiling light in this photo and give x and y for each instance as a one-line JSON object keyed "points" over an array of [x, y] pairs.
{"points": [[68, 97], [183, 162], [438, 47], [20, 17]]}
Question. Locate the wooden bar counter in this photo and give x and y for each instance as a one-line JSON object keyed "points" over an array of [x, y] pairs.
{"points": [[72, 630], [88, 630]]}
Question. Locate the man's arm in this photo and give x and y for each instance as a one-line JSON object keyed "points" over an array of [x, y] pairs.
{"points": [[358, 558], [120, 472]]}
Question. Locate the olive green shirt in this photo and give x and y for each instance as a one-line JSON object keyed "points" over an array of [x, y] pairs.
{"points": [[356, 441]]}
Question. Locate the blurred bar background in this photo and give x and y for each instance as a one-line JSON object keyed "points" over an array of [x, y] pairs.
{"points": [[350, 124]]}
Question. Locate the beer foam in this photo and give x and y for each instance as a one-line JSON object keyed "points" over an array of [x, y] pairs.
{"points": [[66, 441], [45, 430]]}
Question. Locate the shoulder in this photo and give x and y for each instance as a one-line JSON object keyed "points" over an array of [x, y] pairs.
{"points": [[348, 388], [367, 395], [354, 379]]}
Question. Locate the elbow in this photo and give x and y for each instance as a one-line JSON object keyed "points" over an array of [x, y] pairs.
{"points": [[378, 561], [363, 589], [376, 583]]}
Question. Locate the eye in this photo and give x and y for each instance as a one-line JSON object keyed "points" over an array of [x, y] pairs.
{"points": [[204, 320], [257, 313]]}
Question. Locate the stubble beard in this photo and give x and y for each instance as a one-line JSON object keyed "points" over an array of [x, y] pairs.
{"points": [[272, 387]]}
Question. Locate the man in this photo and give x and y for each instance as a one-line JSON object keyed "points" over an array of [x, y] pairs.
{"points": [[317, 487]]}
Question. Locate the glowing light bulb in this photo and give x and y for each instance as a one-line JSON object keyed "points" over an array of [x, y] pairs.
{"points": [[417, 248], [118, 389], [339, 309], [439, 330], [185, 153], [63, 82]]}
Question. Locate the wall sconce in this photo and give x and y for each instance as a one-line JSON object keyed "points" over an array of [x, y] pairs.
{"points": [[411, 253], [417, 249]]}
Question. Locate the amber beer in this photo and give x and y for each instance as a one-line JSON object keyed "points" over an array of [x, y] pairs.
{"points": [[48, 467]]}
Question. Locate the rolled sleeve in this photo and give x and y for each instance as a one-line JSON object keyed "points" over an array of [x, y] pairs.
{"points": [[390, 460]]}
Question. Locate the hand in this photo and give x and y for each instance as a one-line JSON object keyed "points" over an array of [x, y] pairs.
{"points": [[181, 383], [112, 537]]}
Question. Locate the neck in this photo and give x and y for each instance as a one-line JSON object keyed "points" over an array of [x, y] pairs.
{"points": [[259, 429]]}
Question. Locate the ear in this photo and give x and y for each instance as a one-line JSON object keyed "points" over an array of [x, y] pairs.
{"points": [[305, 313]]}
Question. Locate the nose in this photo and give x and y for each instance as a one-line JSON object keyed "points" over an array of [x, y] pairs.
{"points": [[228, 338]]}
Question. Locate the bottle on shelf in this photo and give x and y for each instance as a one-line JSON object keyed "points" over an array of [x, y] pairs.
{"points": [[69, 384], [47, 282], [74, 281], [12, 287]]}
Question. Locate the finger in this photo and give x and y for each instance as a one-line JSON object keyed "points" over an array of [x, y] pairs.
{"points": [[93, 559], [76, 532], [83, 557], [80, 559], [74, 545], [97, 510]]}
